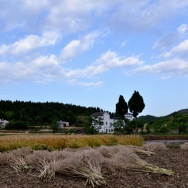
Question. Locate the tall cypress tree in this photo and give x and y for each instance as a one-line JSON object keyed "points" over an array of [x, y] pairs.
{"points": [[121, 106], [136, 104]]}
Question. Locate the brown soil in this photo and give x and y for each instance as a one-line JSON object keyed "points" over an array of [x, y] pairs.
{"points": [[174, 159], [165, 137]]}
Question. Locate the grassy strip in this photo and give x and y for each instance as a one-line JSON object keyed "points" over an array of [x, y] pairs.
{"points": [[59, 142]]}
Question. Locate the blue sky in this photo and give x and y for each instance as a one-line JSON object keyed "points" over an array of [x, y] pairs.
{"points": [[88, 52]]}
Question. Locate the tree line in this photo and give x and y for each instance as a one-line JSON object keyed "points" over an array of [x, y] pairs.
{"points": [[27, 114]]}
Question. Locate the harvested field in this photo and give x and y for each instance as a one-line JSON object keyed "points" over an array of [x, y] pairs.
{"points": [[172, 159]]}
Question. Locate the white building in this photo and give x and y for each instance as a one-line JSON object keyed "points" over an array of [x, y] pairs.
{"points": [[129, 116], [3, 123], [63, 124], [102, 122]]}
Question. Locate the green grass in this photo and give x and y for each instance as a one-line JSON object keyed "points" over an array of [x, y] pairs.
{"points": [[173, 146]]}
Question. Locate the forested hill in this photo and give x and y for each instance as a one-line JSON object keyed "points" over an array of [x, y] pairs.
{"points": [[149, 118], [183, 111], [40, 113]]}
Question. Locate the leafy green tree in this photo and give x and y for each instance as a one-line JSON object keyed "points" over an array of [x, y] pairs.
{"points": [[119, 126], [54, 125], [89, 129], [97, 123], [121, 106], [9, 115], [16, 125]]}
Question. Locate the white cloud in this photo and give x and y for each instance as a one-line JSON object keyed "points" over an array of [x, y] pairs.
{"points": [[182, 28], [180, 50], [168, 39], [39, 69], [170, 67], [123, 44], [48, 68], [107, 61], [86, 84], [77, 15], [30, 42], [144, 14], [75, 47], [164, 77]]}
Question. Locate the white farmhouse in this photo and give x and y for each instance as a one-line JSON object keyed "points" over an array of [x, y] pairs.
{"points": [[129, 116], [3, 123], [63, 124], [102, 122]]}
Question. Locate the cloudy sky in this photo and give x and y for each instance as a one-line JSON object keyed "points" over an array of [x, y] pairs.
{"points": [[88, 52]]}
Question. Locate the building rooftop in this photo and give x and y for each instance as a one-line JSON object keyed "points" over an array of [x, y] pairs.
{"points": [[97, 114]]}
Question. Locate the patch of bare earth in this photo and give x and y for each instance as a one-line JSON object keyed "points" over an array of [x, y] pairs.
{"points": [[174, 159]]}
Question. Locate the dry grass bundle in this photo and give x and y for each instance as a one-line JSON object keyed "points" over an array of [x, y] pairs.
{"points": [[16, 159], [46, 170], [36, 158], [109, 152], [141, 151], [86, 164], [125, 157], [184, 146], [5, 158], [154, 146], [22, 152], [20, 164]]}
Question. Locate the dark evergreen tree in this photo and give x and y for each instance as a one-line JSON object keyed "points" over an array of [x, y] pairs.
{"points": [[136, 104], [121, 106]]}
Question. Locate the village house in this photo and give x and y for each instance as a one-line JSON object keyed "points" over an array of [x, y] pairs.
{"points": [[103, 123], [63, 124], [129, 116], [3, 123]]}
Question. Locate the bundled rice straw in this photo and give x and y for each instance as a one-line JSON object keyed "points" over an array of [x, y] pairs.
{"points": [[154, 146], [46, 170], [86, 165], [124, 157], [16, 159], [141, 151], [20, 164], [184, 146]]}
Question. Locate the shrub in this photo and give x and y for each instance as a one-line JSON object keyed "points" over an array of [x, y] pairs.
{"points": [[16, 125]]}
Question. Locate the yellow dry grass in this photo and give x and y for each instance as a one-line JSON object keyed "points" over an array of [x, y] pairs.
{"points": [[59, 142]]}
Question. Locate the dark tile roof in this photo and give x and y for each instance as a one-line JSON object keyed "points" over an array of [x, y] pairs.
{"points": [[97, 114]]}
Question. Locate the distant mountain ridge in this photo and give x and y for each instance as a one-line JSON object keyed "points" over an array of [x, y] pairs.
{"points": [[149, 118], [183, 111]]}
